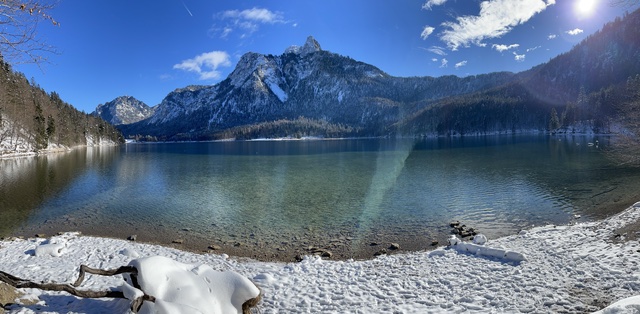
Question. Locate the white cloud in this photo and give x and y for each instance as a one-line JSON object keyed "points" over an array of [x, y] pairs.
{"points": [[434, 59], [552, 36], [502, 48], [437, 50], [248, 21], [534, 48], [574, 31], [206, 65], [259, 15], [461, 64], [443, 63], [496, 18], [426, 32], [226, 31], [519, 58], [431, 3]]}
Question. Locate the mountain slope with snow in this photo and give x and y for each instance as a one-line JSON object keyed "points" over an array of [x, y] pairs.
{"points": [[302, 82], [123, 110]]}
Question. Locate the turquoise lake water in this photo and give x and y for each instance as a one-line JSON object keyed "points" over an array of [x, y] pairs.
{"points": [[277, 193]]}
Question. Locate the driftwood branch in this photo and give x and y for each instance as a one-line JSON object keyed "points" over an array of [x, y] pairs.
{"points": [[71, 289], [110, 272], [23, 283], [17, 282]]}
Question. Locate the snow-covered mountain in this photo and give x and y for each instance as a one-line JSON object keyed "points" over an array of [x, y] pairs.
{"points": [[307, 90], [304, 82], [123, 110]]}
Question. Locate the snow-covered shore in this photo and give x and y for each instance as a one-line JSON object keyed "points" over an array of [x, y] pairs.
{"points": [[570, 269], [52, 149], [19, 144]]}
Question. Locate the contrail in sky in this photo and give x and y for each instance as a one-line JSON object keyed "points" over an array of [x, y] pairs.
{"points": [[185, 6]]}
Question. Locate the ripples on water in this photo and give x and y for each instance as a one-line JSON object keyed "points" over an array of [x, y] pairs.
{"points": [[284, 190]]}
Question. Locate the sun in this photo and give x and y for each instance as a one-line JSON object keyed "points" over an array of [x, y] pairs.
{"points": [[584, 8]]}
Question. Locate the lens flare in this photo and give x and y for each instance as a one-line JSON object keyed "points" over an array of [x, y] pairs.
{"points": [[585, 8]]}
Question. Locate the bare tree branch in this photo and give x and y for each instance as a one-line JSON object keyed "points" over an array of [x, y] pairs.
{"points": [[23, 283], [111, 272], [19, 21], [135, 304], [132, 271]]}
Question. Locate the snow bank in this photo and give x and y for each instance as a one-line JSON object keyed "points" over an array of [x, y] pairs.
{"points": [[571, 269]]}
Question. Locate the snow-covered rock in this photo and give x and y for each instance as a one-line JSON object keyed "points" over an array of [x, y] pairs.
{"points": [[186, 288], [50, 249], [479, 239], [478, 248], [630, 305]]}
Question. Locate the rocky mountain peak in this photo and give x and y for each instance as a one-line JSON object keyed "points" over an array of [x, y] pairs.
{"points": [[310, 46], [123, 110]]}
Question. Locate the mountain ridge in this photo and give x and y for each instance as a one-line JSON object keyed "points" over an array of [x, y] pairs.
{"points": [[302, 82], [324, 88]]}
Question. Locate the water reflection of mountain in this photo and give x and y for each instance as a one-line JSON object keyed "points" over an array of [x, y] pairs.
{"points": [[28, 182]]}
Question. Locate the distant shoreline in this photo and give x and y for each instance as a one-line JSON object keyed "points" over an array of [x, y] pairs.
{"points": [[406, 137], [55, 150]]}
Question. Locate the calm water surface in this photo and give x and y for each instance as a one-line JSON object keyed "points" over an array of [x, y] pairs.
{"points": [[282, 196]]}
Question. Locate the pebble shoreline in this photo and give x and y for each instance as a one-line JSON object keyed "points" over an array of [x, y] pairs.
{"points": [[284, 246]]}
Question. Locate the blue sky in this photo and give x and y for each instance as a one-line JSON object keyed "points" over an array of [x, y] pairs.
{"points": [[146, 49]]}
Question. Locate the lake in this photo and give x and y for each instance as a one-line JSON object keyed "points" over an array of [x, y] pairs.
{"points": [[277, 199]]}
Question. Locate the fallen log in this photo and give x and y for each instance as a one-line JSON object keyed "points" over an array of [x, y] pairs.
{"points": [[18, 283], [137, 297]]}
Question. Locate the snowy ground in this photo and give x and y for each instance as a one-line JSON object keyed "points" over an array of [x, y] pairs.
{"points": [[568, 269]]}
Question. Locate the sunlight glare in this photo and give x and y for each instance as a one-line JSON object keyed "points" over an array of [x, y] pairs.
{"points": [[584, 8]]}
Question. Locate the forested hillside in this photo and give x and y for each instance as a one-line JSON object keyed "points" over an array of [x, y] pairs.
{"points": [[586, 90], [31, 120]]}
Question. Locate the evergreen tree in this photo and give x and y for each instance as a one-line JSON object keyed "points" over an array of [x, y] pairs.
{"points": [[39, 128], [51, 127], [554, 122]]}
